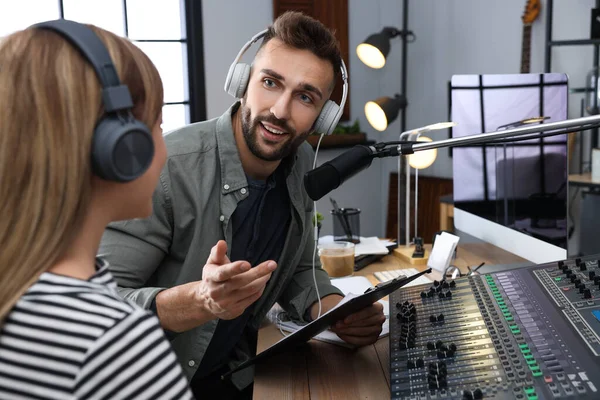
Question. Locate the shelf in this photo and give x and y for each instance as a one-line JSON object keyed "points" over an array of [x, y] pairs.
{"points": [[577, 42], [580, 90]]}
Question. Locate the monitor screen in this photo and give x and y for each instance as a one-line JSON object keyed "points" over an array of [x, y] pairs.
{"points": [[512, 194]]}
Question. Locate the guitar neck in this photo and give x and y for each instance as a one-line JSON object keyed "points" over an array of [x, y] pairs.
{"points": [[526, 49]]}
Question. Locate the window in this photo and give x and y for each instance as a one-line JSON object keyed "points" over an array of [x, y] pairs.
{"points": [[158, 27]]}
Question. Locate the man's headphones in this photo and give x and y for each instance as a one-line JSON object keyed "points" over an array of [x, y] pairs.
{"points": [[122, 147], [239, 74]]}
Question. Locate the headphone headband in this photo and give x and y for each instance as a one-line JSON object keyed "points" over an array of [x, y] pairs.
{"points": [[122, 148], [115, 95], [243, 50]]}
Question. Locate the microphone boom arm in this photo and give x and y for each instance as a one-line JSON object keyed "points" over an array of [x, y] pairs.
{"points": [[578, 124]]}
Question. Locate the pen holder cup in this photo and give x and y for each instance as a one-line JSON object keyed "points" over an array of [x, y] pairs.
{"points": [[346, 225]]}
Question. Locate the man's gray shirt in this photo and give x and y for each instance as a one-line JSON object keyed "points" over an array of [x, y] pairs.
{"points": [[199, 189]]}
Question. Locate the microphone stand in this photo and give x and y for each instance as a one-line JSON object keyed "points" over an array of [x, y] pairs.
{"points": [[550, 129], [408, 147]]}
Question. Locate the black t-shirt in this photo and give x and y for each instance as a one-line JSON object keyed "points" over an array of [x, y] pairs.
{"points": [[260, 224]]}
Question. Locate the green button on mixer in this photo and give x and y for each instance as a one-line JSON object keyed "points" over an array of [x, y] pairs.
{"points": [[532, 396], [557, 279], [531, 362], [535, 369], [529, 390], [524, 346]]}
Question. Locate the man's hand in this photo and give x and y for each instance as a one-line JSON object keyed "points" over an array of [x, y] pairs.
{"points": [[227, 288], [361, 328], [225, 291]]}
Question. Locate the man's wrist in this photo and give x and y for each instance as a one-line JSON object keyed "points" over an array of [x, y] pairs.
{"points": [[180, 308], [327, 303]]}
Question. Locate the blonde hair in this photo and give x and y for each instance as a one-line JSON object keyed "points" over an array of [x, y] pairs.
{"points": [[50, 101]]}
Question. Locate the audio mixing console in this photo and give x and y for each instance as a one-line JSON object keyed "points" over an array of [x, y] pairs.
{"points": [[529, 333]]}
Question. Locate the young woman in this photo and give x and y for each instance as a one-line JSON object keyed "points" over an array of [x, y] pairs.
{"points": [[64, 331]]}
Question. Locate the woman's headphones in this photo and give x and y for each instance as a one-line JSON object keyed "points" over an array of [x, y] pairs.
{"points": [[122, 147], [239, 74]]}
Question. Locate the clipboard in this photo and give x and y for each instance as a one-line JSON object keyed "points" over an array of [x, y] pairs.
{"points": [[326, 320]]}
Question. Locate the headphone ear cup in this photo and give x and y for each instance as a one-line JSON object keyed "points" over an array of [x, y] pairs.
{"points": [[122, 150], [327, 121], [239, 80]]}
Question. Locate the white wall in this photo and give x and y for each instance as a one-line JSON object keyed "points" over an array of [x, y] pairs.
{"points": [[452, 37], [227, 25]]}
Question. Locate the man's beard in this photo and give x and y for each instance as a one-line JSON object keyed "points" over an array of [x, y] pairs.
{"points": [[250, 132]]}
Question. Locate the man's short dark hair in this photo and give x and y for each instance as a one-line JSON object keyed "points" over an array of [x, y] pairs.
{"points": [[300, 31]]}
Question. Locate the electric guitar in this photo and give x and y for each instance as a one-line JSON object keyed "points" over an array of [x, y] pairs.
{"points": [[530, 14]]}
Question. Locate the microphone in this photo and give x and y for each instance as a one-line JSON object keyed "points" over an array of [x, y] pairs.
{"points": [[322, 180]]}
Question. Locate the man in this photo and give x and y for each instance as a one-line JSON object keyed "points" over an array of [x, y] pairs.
{"points": [[237, 181]]}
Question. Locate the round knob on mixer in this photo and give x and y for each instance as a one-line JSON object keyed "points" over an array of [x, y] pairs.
{"points": [[440, 317], [420, 363], [430, 345], [467, 395], [439, 344], [452, 284], [432, 318], [568, 273]]}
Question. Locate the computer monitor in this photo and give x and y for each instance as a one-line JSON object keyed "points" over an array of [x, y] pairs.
{"points": [[512, 195]]}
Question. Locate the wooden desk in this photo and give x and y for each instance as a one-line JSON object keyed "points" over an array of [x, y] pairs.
{"points": [[584, 180], [321, 370]]}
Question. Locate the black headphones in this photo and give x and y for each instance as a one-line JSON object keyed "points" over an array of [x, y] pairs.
{"points": [[122, 147]]}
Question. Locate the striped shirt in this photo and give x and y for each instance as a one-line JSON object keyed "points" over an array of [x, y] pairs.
{"points": [[68, 338]]}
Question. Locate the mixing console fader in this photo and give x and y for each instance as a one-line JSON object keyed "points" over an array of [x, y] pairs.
{"points": [[529, 333]]}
